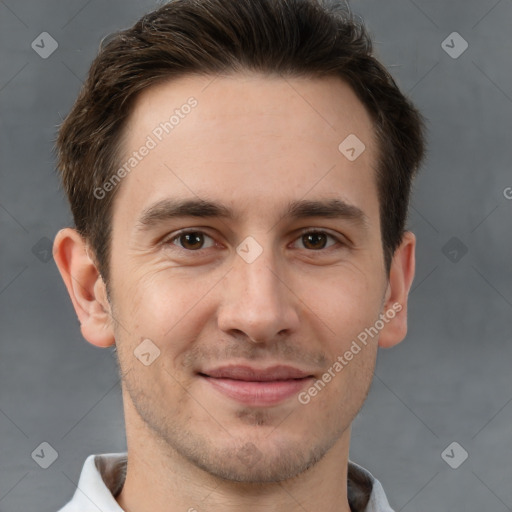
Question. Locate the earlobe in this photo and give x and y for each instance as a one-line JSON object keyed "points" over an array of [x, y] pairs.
{"points": [[85, 287], [401, 276]]}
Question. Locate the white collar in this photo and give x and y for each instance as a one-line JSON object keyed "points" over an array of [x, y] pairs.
{"points": [[103, 476]]}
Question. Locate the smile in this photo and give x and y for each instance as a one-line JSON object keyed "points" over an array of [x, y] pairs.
{"points": [[257, 387]]}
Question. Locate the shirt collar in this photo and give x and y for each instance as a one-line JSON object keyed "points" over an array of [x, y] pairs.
{"points": [[103, 476]]}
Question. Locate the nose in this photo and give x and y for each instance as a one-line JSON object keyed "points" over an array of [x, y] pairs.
{"points": [[257, 301]]}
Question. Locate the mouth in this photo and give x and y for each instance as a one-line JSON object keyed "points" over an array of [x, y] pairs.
{"points": [[257, 387]]}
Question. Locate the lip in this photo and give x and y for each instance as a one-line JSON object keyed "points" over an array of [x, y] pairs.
{"points": [[258, 387]]}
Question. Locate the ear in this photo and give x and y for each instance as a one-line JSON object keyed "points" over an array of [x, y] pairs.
{"points": [[85, 287], [401, 275]]}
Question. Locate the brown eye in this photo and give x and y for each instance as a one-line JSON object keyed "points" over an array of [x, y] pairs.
{"points": [[317, 240], [191, 240], [314, 241]]}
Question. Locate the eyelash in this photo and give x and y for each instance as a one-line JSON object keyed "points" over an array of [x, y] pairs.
{"points": [[305, 231]]}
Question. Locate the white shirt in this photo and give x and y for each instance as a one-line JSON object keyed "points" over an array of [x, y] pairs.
{"points": [[103, 476]]}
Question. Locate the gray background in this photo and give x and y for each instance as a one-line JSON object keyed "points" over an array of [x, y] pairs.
{"points": [[449, 381]]}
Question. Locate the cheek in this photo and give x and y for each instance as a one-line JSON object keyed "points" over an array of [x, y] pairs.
{"points": [[350, 304], [348, 307], [159, 306], [346, 301]]}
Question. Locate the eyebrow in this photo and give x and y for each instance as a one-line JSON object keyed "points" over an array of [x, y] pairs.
{"points": [[167, 209]]}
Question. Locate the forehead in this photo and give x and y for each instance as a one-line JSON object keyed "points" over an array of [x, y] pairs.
{"points": [[247, 138]]}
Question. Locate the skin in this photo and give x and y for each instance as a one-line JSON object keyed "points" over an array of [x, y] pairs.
{"points": [[253, 144]]}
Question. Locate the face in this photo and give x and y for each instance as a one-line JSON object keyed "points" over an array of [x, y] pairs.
{"points": [[247, 258]]}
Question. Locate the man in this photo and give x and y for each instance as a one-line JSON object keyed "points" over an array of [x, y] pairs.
{"points": [[239, 175]]}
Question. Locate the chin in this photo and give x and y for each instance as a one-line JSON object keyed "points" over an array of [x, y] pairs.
{"points": [[260, 462]]}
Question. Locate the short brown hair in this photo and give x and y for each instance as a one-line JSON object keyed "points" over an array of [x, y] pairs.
{"points": [[293, 38]]}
